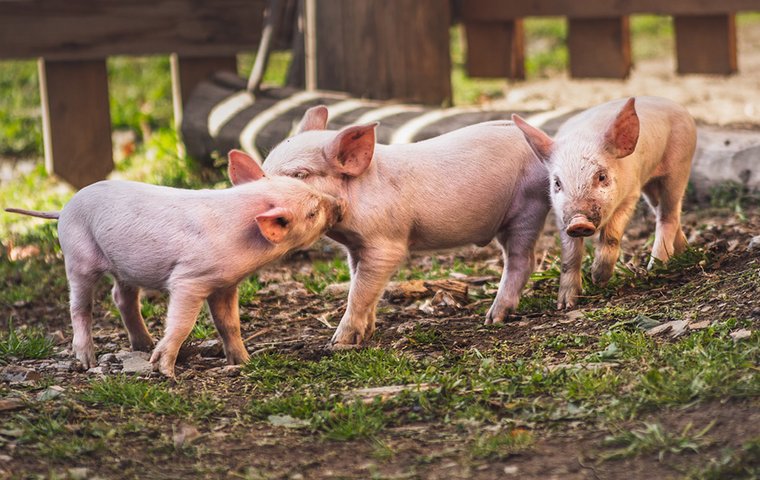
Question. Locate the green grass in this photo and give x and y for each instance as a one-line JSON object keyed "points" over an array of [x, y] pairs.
{"points": [[502, 444], [55, 436], [24, 344], [654, 438], [324, 273], [741, 463], [146, 397]]}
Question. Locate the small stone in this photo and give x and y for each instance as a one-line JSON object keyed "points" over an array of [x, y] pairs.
{"points": [[754, 244], [185, 435], [135, 362], [741, 334], [78, 473], [336, 289], [64, 366], [290, 289], [11, 403], [98, 370], [50, 393], [17, 373], [5, 458], [699, 325], [107, 358], [56, 337], [211, 348], [511, 470]]}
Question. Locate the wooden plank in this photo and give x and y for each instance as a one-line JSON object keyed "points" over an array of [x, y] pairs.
{"points": [[363, 49], [76, 120], [706, 44], [599, 47], [92, 29], [499, 10], [188, 72], [495, 49]]}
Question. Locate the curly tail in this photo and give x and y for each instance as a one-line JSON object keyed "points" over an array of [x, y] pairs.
{"points": [[34, 213]]}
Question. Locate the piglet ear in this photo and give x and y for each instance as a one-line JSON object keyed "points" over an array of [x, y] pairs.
{"points": [[541, 143], [315, 118], [242, 168], [351, 151], [275, 224], [621, 138]]}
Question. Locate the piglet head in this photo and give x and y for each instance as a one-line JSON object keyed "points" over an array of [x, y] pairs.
{"points": [[584, 170], [325, 159], [298, 214]]}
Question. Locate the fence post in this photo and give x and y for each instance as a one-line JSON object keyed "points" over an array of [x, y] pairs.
{"points": [[599, 47], [76, 120], [706, 43], [188, 72], [495, 49]]}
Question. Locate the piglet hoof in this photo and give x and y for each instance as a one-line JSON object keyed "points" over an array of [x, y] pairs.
{"points": [[163, 361], [601, 275], [87, 358], [346, 339], [497, 314], [237, 358]]}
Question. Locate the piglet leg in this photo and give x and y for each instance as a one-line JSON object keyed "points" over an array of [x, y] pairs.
{"points": [[519, 259], [665, 196], [183, 311], [81, 290], [372, 267], [570, 283], [608, 246], [223, 305], [127, 300]]}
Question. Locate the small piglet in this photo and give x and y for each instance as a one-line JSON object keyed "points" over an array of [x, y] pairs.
{"points": [[464, 187], [196, 244], [600, 162]]}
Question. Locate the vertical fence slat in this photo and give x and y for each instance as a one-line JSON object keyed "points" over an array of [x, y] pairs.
{"points": [[76, 120], [495, 49], [599, 47], [188, 72], [706, 44]]}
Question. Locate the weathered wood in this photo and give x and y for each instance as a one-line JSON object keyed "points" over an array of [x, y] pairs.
{"points": [[599, 47], [495, 49], [76, 120], [93, 29], [706, 44], [363, 49], [499, 10], [188, 72]]}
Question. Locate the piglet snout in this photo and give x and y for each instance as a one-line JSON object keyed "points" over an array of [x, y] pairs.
{"points": [[580, 226]]}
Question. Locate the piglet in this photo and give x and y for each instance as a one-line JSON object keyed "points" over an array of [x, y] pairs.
{"points": [[196, 244], [600, 162], [467, 186]]}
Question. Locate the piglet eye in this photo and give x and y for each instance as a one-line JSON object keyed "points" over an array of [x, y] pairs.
{"points": [[557, 184], [301, 175], [602, 177], [312, 214]]}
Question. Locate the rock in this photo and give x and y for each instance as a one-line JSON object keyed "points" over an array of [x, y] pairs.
{"points": [[17, 373], [79, 473], [211, 348], [57, 337], [287, 421], [184, 435], [50, 393], [98, 370], [741, 334], [337, 289], [135, 362], [511, 469], [674, 328], [107, 358], [754, 244], [699, 325], [11, 403], [64, 366]]}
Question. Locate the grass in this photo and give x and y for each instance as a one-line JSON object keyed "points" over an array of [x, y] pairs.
{"points": [[52, 435], [654, 438], [502, 444], [324, 273], [24, 344], [146, 397]]}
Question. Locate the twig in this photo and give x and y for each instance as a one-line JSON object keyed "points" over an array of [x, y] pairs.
{"points": [[258, 334]]}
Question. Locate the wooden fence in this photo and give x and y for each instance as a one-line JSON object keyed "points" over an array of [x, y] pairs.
{"points": [[370, 48], [599, 34], [72, 39]]}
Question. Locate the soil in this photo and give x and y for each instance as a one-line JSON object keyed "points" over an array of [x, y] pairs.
{"points": [[291, 324]]}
